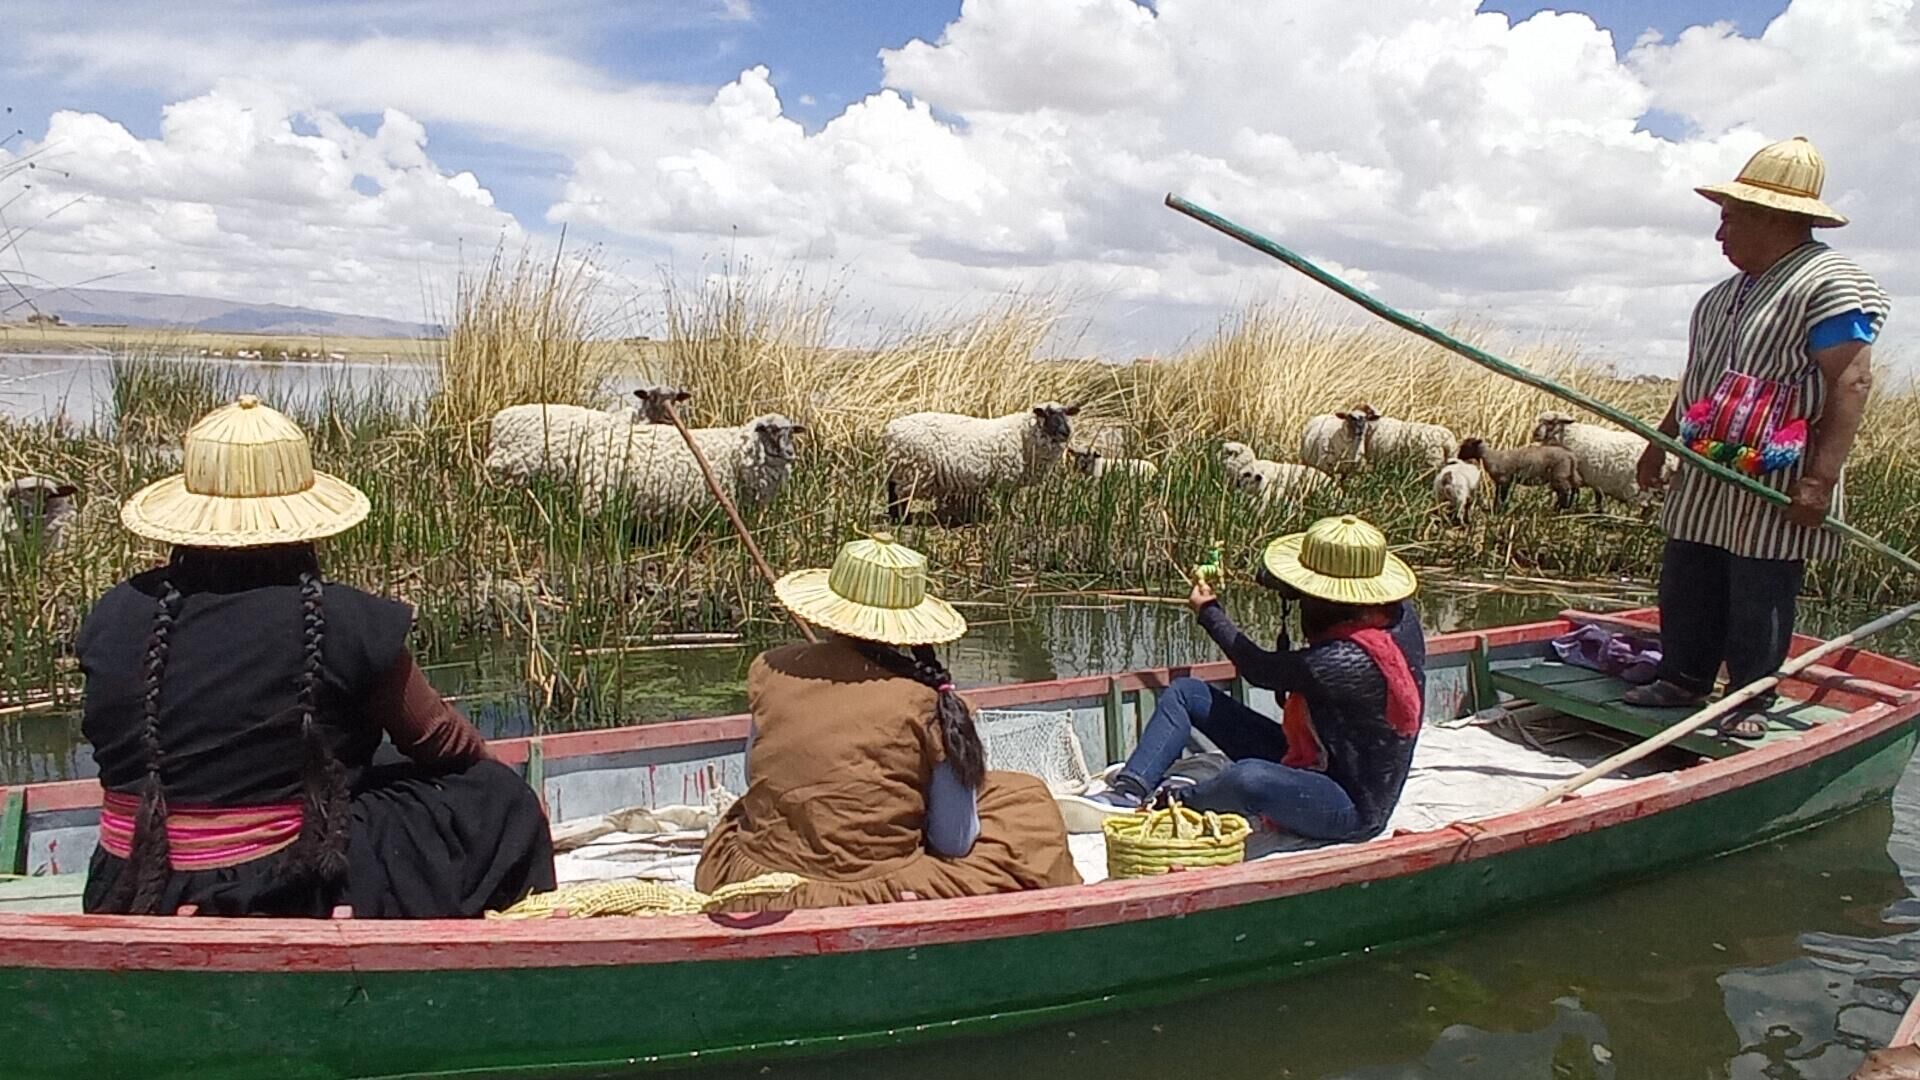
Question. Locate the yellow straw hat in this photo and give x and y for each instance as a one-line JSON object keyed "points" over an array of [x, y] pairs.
{"points": [[876, 591], [1786, 175], [249, 481], [1342, 559]]}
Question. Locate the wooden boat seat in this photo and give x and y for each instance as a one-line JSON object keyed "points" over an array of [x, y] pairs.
{"points": [[55, 894], [1595, 697]]}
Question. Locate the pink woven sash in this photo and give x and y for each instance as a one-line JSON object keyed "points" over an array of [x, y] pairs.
{"points": [[204, 837]]}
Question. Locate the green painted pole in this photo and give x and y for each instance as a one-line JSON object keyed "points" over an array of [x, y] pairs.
{"points": [[1512, 371]]}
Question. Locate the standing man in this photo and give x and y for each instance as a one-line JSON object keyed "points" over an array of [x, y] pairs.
{"points": [[1779, 364]]}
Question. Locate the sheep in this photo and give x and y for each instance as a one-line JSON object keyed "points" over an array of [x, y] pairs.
{"points": [[1335, 442], [1549, 466], [656, 403], [1099, 466], [1236, 456], [1270, 480], [552, 441], [1383, 438], [653, 467], [1609, 460], [952, 458], [1454, 487], [36, 510]]}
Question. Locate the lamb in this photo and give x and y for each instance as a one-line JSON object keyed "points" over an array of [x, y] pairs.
{"points": [[1609, 460], [1385, 437], [1270, 480], [1335, 442], [36, 510], [657, 474], [1454, 487], [953, 458], [1099, 466], [656, 403], [1549, 466], [1236, 456]]}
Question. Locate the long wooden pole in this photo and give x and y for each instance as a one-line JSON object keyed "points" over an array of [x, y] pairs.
{"points": [[733, 514], [1513, 371], [1722, 707]]}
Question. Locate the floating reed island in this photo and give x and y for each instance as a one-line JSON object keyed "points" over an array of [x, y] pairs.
{"points": [[521, 565]]}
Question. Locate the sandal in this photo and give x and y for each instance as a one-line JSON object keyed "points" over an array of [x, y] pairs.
{"points": [[1744, 725], [1662, 694]]}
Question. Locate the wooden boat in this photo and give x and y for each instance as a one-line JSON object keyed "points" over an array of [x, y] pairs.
{"points": [[203, 997], [1901, 1058]]}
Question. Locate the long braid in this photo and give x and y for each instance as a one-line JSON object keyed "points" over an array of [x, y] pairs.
{"points": [[957, 731], [139, 887], [321, 849]]}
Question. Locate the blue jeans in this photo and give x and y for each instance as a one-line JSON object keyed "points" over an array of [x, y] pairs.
{"points": [[1299, 801]]}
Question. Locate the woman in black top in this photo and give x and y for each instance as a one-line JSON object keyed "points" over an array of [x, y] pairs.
{"points": [[1332, 767], [235, 699]]}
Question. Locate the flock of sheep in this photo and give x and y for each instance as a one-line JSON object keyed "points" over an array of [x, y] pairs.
{"points": [[956, 461], [637, 457]]}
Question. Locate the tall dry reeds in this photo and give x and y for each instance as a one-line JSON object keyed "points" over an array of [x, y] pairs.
{"points": [[524, 328]]}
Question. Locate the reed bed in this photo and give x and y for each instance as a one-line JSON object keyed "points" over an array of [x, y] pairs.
{"points": [[570, 601]]}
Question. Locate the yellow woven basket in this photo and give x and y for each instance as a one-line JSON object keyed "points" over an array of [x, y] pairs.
{"points": [[1155, 841]]}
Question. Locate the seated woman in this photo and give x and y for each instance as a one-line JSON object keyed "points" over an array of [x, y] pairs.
{"points": [[865, 773], [235, 700], [1333, 767]]}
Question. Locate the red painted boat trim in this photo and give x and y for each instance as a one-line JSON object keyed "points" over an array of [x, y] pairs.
{"points": [[103, 942]]}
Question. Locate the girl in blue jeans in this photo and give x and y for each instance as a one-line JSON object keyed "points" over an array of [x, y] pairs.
{"points": [[1333, 767]]}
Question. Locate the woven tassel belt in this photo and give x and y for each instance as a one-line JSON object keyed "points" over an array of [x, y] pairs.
{"points": [[204, 837]]}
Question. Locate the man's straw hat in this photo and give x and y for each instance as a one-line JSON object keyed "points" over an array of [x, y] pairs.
{"points": [[1788, 176], [249, 481], [876, 591], [1342, 559]]}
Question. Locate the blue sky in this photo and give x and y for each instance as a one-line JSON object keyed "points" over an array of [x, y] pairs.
{"points": [[822, 56], [318, 152]]}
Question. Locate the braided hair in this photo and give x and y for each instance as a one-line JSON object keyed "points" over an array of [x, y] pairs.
{"points": [[957, 732], [320, 851], [137, 890]]}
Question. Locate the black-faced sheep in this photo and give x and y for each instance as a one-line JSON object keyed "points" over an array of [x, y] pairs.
{"points": [[1609, 460]]}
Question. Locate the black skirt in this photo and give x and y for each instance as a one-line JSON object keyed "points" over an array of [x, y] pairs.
{"points": [[421, 845]]}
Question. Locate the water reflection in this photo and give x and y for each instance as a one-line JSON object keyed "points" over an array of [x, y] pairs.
{"points": [[35, 386]]}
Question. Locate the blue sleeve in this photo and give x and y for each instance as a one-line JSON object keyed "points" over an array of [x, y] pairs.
{"points": [[953, 814], [1839, 329]]}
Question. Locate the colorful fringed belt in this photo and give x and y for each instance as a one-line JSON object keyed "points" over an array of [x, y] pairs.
{"points": [[204, 837]]}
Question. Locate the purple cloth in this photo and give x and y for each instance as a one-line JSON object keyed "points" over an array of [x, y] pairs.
{"points": [[1599, 649]]}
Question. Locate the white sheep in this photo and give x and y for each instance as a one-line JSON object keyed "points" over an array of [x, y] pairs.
{"points": [[951, 458], [1270, 480], [1388, 437], [552, 441], [1236, 456], [36, 510], [657, 474], [1099, 466], [1609, 460], [1335, 442], [1454, 487], [525, 441]]}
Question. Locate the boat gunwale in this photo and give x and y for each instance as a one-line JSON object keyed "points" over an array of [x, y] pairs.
{"points": [[166, 943]]}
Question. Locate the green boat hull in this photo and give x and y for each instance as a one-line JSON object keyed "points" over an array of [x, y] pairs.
{"points": [[609, 1020]]}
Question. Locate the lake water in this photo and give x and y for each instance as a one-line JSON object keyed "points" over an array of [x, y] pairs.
{"points": [[80, 386]]}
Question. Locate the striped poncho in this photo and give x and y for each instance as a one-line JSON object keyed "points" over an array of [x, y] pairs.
{"points": [[1759, 326]]}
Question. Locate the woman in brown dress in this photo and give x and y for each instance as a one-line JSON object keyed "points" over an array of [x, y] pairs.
{"points": [[865, 773]]}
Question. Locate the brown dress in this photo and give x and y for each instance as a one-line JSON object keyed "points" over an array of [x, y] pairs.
{"points": [[842, 756]]}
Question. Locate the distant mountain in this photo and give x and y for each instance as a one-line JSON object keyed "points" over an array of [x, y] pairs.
{"points": [[113, 307]]}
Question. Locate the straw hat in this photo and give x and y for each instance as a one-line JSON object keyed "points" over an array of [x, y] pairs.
{"points": [[1342, 559], [249, 482], [1786, 175], [876, 591]]}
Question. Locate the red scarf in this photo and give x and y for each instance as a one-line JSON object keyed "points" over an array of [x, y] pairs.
{"points": [[1369, 631]]}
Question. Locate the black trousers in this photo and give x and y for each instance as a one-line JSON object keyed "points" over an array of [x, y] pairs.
{"points": [[1717, 607]]}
